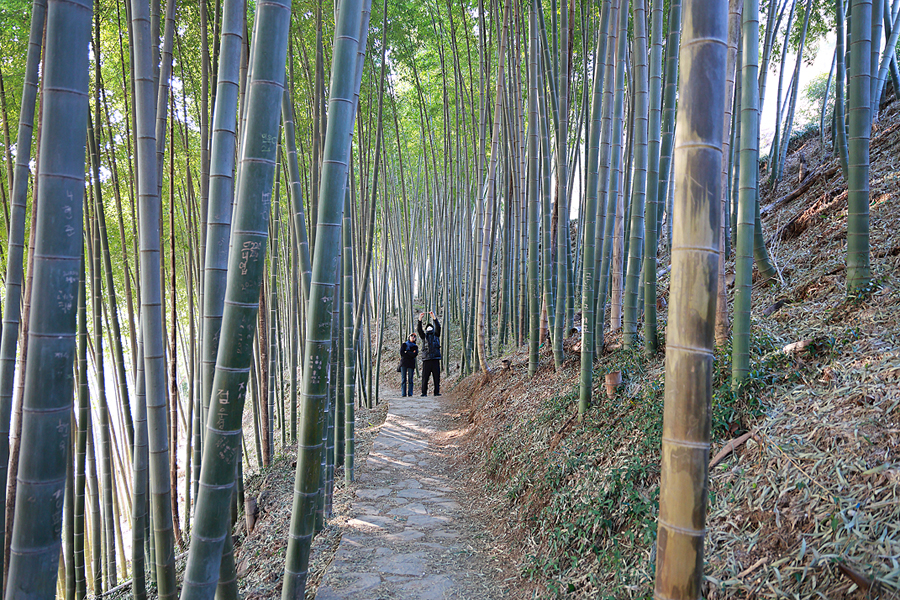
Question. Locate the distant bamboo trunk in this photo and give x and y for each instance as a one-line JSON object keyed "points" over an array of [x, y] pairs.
{"points": [[689, 350], [860, 111], [151, 303], [534, 289], [723, 325], [611, 270], [588, 339], [563, 244], [748, 184], [47, 401], [640, 77], [487, 229], [653, 206]]}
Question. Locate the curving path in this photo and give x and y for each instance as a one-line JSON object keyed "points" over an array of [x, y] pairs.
{"points": [[408, 536]]}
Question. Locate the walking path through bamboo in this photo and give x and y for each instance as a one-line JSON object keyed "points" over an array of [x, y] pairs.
{"points": [[408, 536]]}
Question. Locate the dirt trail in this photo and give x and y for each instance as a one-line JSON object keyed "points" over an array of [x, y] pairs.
{"points": [[410, 534]]}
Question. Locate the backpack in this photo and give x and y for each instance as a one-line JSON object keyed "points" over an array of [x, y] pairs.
{"points": [[434, 346]]}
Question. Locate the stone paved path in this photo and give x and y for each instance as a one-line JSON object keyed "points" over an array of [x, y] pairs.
{"points": [[407, 538]]}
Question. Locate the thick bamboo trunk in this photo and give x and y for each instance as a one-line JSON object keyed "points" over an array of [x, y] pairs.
{"points": [[689, 349], [352, 21], [47, 401], [210, 549]]}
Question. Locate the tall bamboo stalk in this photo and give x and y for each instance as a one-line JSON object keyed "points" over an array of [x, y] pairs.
{"points": [[839, 94], [748, 186], [83, 416], [16, 248], [639, 79], [221, 194], [246, 268], [735, 7], [151, 302], [141, 458], [615, 166], [654, 177], [352, 20], [667, 137], [534, 288], [47, 401], [689, 348], [860, 112], [487, 224], [590, 220]]}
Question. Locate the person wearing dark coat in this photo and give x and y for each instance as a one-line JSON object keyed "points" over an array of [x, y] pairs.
{"points": [[408, 353], [431, 361]]}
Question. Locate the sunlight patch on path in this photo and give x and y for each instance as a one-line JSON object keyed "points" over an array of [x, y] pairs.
{"points": [[406, 536]]}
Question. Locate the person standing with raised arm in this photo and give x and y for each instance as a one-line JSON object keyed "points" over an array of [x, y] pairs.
{"points": [[408, 352], [431, 361]]}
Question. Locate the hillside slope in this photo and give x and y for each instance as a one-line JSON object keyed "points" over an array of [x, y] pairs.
{"points": [[808, 507]]}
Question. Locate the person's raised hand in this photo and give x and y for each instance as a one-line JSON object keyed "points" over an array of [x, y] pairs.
{"points": [[421, 316], [432, 314]]}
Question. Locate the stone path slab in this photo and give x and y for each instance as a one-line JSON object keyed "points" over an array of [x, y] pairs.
{"points": [[408, 537]]}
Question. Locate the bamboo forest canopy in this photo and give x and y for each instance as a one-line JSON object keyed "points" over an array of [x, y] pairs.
{"points": [[259, 186]]}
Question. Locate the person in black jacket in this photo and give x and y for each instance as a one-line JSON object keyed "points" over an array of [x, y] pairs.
{"points": [[408, 353], [431, 362]]}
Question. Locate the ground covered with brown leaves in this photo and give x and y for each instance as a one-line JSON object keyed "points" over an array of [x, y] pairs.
{"points": [[808, 506], [260, 555]]}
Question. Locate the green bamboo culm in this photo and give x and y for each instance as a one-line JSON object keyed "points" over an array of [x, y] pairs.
{"points": [[140, 461], [639, 79], [534, 289], [341, 114], [273, 311], [490, 191], [859, 131], [748, 184], [48, 390], [603, 220], [151, 304], [651, 239], [84, 415], [246, 269], [105, 456], [615, 163], [16, 248], [590, 221], [547, 278], [299, 215], [689, 348], [667, 135], [839, 94], [562, 197], [349, 379], [221, 194]]}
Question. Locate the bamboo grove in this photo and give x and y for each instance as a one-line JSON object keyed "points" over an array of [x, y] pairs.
{"points": [[212, 210]]}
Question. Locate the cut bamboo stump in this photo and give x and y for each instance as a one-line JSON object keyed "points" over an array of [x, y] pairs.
{"points": [[613, 380]]}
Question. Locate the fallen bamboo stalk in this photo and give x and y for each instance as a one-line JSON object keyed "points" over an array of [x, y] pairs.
{"points": [[731, 447]]}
